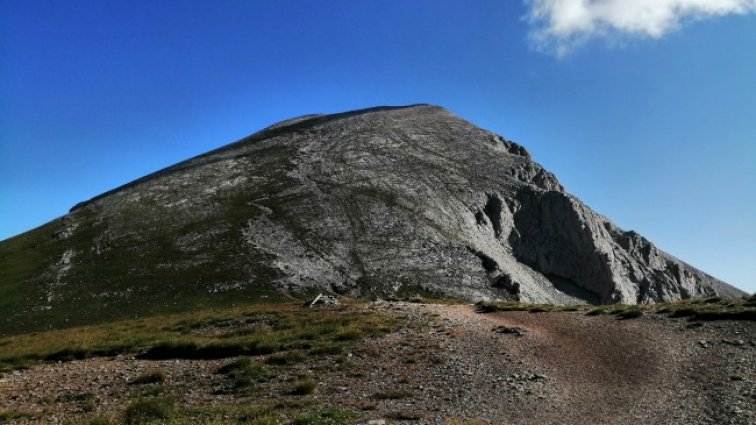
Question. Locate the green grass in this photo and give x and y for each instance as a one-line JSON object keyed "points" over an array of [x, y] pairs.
{"points": [[10, 415], [303, 387], [97, 420], [251, 414], [490, 307], [152, 377], [128, 278], [630, 313], [493, 306], [325, 417], [149, 411], [287, 358], [247, 414], [243, 374], [163, 412], [703, 309], [290, 332], [328, 349]]}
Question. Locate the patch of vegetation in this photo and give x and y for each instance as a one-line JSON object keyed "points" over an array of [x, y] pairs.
{"points": [[149, 411], [391, 394], [244, 373], [709, 309], [407, 415], [367, 405], [151, 390], [288, 358], [206, 351], [98, 420], [10, 415], [325, 417], [702, 309], [229, 415], [116, 283], [630, 313], [208, 334], [494, 306], [303, 387], [281, 413], [349, 334], [152, 377], [327, 349]]}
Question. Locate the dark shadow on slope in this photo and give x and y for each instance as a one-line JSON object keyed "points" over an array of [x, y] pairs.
{"points": [[573, 289]]}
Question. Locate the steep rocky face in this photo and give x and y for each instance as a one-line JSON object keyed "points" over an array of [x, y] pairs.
{"points": [[373, 202]]}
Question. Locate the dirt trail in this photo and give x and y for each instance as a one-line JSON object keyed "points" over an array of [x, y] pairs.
{"points": [[598, 371], [569, 368]]}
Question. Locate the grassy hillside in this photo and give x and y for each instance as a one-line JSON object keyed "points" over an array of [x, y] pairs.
{"points": [[112, 278], [20, 261], [203, 334]]}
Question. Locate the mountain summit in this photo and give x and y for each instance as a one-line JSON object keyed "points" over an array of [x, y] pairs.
{"points": [[376, 202]]}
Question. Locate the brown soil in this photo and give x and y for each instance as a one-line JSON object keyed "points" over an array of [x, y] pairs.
{"points": [[448, 364]]}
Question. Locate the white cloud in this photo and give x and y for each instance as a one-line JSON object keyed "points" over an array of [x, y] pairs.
{"points": [[560, 25]]}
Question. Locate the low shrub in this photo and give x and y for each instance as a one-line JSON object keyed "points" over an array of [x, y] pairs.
{"points": [[11, 415], [325, 417], [99, 420], [349, 335], [749, 315], [152, 377], [303, 387], [243, 373], [631, 313], [391, 394], [287, 358], [407, 415], [149, 411], [326, 349], [211, 351]]}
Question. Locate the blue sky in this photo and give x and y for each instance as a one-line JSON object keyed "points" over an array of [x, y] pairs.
{"points": [[651, 122]]}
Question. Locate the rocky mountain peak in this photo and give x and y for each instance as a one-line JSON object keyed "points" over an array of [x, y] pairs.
{"points": [[375, 202]]}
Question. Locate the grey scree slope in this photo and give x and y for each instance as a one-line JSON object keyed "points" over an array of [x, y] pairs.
{"points": [[372, 202]]}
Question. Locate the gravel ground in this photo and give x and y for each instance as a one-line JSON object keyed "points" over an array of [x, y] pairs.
{"points": [[451, 363], [567, 368]]}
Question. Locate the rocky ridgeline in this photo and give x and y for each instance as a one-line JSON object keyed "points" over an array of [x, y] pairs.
{"points": [[377, 202]]}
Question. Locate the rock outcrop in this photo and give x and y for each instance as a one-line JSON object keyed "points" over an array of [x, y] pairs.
{"points": [[367, 203]]}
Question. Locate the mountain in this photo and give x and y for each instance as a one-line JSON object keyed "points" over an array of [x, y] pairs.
{"points": [[376, 202]]}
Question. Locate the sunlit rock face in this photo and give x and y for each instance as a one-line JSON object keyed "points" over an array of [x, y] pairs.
{"points": [[374, 202]]}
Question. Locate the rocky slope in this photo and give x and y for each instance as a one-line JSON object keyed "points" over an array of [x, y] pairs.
{"points": [[380, 201]]}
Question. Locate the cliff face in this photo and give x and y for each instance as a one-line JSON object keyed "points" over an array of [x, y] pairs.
{"points": [[372, 202]]}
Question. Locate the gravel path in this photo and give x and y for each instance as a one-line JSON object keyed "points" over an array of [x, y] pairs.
{"points": [[567, 368]]}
